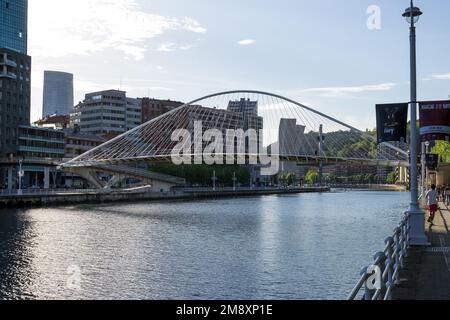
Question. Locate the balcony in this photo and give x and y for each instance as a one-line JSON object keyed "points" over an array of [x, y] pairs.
{"points": [[8, 62], [10, 75]]}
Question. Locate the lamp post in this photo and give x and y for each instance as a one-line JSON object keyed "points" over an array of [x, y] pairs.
{"points": [[427, 172], [417, 220], [423, 180], [20, 175]]}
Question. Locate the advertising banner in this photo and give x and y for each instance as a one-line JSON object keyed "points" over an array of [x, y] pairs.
{"points": [[434, 120], [392, 122]]}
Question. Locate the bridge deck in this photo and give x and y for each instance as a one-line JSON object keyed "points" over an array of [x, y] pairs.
{"points": [[428, 270]]}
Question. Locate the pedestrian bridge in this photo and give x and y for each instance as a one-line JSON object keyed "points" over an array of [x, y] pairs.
{"points": [[285, 129], [158, 181]]}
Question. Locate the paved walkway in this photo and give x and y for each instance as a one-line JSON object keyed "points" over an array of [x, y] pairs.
{"points": [[428, 270]]}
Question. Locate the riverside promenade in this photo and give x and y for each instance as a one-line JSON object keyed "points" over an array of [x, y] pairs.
{"points": [[427, 273]]}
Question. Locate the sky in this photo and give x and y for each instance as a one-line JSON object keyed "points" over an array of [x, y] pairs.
{"points": [[340, 57]]}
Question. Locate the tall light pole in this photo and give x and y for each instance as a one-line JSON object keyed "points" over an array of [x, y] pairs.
{"points": [[427, 175], [20, 175], [417, 219], [423, 173]]}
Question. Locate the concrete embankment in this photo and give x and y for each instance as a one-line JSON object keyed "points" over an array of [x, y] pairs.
{"points": [[33, 200], [371, 187]]}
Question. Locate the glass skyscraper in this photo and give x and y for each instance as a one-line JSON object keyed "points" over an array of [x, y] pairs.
{"points": [[58, 93], [14, 25]]}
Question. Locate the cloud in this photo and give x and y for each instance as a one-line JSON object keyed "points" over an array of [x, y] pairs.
{"points": [[60, 28], [193, 25], [439, 77], [335, 92], [171, 46], [247, 42]]}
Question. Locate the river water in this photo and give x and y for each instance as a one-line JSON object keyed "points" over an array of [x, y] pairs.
{"points": [[307, 246]]}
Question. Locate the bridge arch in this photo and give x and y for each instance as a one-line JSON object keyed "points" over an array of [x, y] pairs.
{"points": [[278, 114]]}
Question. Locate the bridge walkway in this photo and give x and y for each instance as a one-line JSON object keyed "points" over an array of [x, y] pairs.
{"points": [[427, 276]]}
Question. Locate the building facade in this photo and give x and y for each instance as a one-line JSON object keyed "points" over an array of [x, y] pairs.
{"points": [[153, 108], [15, 81], [133, 113], [107, 113], [58, 93], [77, 143], [37, 142], [15, 89], [249, 111], [40, 150], [14, 25], [291, 142]]}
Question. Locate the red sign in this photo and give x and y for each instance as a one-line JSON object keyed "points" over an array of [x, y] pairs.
{"points": [[434, 120]]}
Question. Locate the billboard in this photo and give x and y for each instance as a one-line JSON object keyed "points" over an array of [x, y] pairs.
{"points": [[392, 122], [434, 120]]}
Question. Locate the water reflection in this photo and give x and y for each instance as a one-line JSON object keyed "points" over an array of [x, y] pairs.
{"points": [[277, 247], [17, 275]]}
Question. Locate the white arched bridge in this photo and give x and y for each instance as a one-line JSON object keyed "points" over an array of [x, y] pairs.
{"points": [[240, 127]]}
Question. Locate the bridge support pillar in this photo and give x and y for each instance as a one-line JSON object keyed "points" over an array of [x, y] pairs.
{"points": [[46, 178], [113, 181], [89, 175], [417, 236], [159, 186]]}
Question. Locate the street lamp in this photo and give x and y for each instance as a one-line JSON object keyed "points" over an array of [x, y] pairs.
{"points": [[416, 13], [417, 221]]}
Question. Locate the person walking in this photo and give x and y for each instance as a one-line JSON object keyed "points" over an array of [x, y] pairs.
{"points": [[432, 201], [439, 192], [447, 195]]}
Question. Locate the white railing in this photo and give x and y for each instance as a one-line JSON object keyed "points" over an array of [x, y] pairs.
{"points": [[380, 278]]}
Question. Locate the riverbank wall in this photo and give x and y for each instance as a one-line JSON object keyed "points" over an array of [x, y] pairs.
{"points": [[371, 187], [67, 198]]}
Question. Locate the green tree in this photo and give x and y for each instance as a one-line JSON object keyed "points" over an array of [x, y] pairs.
{"points": [[391, 178], [288, 178], [311, 177], [442, 148]]}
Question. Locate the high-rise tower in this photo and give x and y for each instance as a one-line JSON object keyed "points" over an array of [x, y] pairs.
{"points": [[58, 93], [15, 74]]}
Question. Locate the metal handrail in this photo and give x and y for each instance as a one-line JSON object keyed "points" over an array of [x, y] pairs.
{"points": [[380, 278]]}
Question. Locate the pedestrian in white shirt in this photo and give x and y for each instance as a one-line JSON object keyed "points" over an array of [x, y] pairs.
{"points": [[432, 200]]}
